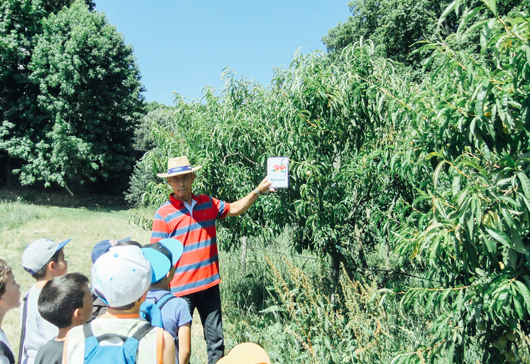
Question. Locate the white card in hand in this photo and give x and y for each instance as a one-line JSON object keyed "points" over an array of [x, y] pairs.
{"points": [[278, 172]]}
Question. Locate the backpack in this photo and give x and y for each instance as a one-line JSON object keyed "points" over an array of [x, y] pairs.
{"points": [[4, 350], [116, 354], [152, 312]]}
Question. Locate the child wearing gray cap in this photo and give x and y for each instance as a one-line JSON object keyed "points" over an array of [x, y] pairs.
{"points": [[44, 260]]}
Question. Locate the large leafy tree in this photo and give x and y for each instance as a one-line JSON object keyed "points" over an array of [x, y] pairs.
{"points": [[75, 120], [398, 27]]}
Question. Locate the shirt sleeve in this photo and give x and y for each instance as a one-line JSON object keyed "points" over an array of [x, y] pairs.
{"points": [[3, 359], [222, 208], [160, 229], [183, 315]]}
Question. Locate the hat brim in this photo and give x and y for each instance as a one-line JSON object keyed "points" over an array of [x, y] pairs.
{"points": [[165, 175], [160, 264], [175, 246], [60, 246]]}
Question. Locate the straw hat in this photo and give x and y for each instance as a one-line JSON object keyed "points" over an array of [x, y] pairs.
{"points": [[246, 353], [178, 166]]}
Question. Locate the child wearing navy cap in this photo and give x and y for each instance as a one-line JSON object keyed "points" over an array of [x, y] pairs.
{"points": [[175, 313]]}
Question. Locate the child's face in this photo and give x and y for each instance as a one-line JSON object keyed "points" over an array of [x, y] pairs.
{"points": [[61, 267], [88, 303], [85, 313], [11, 297]]}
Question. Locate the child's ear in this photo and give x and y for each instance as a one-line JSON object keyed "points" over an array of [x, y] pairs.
{"points": [[79, 316], [51, 265]]}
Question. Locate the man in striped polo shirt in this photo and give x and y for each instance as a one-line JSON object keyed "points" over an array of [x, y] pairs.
{"points": [[191, 219]]}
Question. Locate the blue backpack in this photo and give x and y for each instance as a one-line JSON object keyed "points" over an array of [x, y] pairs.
{"points": [[116, 354], [152, 312]]}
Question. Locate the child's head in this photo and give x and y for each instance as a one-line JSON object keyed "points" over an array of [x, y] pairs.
{"points": [[44, 259], [246, 353], [121, 277], [66, 300], [9, 289], [163, 257], [103, 246]]}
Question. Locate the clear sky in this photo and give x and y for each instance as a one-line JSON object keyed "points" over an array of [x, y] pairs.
{"points": [[183, 46]]}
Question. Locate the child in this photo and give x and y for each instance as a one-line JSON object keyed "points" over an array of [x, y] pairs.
{"points": [[44, 260], [9, 298], [99, 249], [121, 278], [176, 317], [66, 302]]}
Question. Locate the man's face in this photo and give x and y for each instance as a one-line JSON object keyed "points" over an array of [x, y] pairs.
{"points": [[181, 185]]}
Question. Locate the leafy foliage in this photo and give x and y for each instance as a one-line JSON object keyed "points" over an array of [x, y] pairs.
{"points": [[389, 176], [74, 94]]}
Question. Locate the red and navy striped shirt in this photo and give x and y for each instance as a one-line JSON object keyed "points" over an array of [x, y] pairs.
{"points": [[198, 268]]}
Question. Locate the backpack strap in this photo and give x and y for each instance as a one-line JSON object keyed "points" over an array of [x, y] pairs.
{"points": [[7, 352], [23, 332], [142, 331], [161, 302]]}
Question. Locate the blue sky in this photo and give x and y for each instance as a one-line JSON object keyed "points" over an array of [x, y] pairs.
{"points": [[183, 46]]}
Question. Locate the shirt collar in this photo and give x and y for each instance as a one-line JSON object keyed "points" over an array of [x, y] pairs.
{"points": [[177, 202]]}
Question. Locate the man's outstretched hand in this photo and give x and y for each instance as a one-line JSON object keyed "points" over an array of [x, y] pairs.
{"points": [[264, 186]]}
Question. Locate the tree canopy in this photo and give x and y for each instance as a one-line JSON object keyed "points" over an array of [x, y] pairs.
{"points": [[73, 92], [398, 27]]}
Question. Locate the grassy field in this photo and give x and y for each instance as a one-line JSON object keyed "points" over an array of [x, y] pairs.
{"points": [[20, 224]]}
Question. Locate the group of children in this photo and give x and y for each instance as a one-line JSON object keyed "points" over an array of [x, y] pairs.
{"points": [[127, 314]]}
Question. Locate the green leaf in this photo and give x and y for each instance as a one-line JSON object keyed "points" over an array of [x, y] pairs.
{"points": [[446, 12], [500, 236], [433, 154], [492, 5], [525, 183], [525, 293], [437, 172], [491, 245], [456, 185]]}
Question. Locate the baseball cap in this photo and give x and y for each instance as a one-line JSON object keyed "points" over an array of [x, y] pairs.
{"points": [[162, 256], [103, 246], [121, 276], [38, 253], [246, 353]]}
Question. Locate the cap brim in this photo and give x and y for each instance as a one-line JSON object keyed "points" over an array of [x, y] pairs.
{"points": [[164, 175], [175, 247], [159, 263], [60, 246]]}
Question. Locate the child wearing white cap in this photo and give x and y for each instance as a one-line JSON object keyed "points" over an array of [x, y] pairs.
{"points": [[121, 278], [44, 260]]}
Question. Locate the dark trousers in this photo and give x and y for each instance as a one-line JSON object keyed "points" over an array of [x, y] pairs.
{"points": [[208, 303]]}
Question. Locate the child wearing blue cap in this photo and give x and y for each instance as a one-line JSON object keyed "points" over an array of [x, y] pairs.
{"points": [[175, 313]]}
